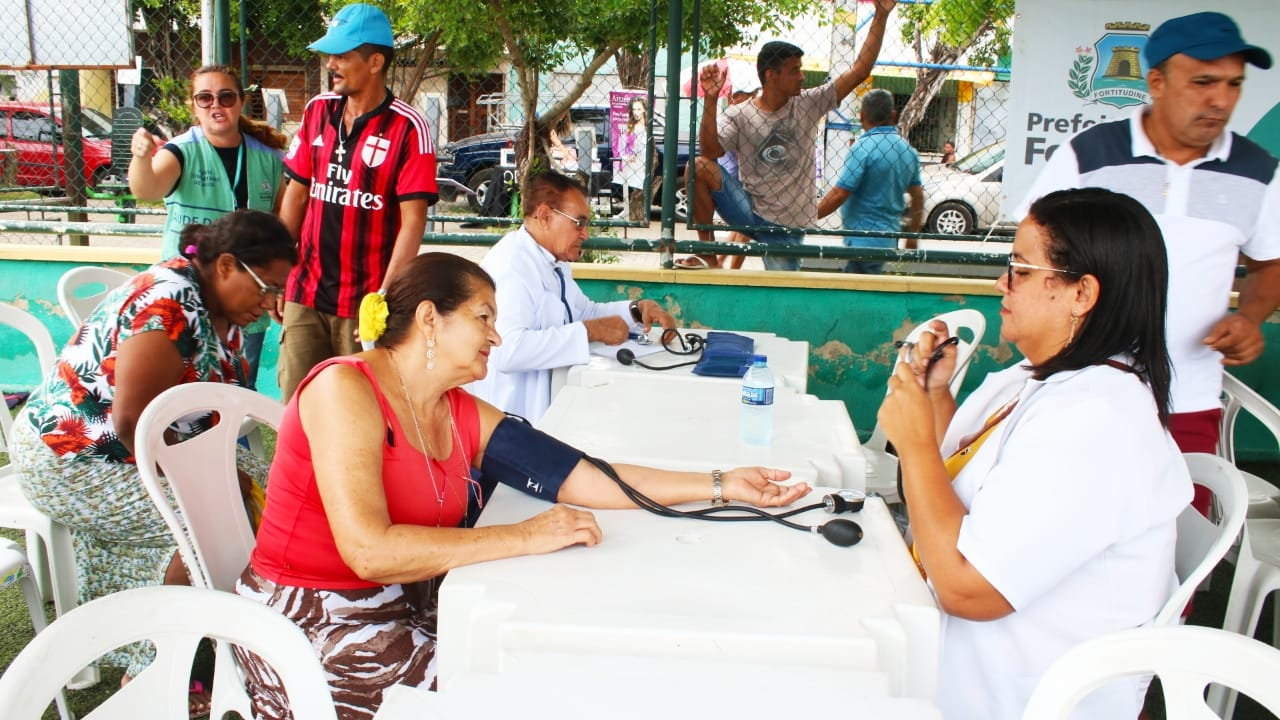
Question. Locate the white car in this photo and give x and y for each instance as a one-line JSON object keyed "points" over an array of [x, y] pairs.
{"points": [[963, 198]]}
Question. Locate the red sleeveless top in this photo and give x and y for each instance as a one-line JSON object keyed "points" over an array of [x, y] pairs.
{"points": [[295, 544]]}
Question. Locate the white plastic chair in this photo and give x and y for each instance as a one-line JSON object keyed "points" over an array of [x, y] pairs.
{"points": [[78, 295], [1257, 576], [49, 546], [15, 570], [1203, 542], [1264, 497], [1186, 658], [211, 528], [212, 531], [882, 467], [175, 619]]}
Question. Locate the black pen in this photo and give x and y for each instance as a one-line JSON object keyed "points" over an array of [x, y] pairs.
{"points": [[936, 356]]}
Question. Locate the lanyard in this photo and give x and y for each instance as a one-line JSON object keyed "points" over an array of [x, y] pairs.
{"points": [[239, 167]]}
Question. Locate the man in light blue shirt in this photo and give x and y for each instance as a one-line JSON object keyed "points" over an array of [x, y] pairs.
{"points": [[881, 167]]}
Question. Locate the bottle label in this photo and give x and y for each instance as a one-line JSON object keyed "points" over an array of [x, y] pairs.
{"points": [[757, 396]]}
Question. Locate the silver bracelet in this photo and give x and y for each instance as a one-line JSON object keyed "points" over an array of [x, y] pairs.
{"points": [[717, 490]]}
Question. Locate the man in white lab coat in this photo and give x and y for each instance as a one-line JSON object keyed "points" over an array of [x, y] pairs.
{"points": [[544, 318]]}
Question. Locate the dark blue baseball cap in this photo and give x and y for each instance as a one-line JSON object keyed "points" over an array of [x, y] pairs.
{"points": [[353, 26], [1203, 36]]}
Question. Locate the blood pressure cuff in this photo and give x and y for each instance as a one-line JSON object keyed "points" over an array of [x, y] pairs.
{"points": [[528, 460], [725, 355]]}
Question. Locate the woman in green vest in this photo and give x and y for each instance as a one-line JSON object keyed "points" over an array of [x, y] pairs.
{"points": [[224, 163]]}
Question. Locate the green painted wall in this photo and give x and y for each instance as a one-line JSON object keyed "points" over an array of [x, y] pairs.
{"points": [[850, 331], [33, 286]]}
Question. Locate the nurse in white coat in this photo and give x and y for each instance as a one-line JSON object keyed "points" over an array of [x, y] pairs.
{"points": [[1043, 510], [544, 318]]}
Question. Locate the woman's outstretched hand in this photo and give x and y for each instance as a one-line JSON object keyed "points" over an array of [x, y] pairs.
{"points": [[759, 486]]}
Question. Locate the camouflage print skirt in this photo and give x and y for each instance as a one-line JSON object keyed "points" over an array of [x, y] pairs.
{"points": [[367, 641]]}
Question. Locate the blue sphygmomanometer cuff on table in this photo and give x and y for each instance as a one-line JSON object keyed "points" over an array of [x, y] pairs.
{"points": [[725, 355], [527, 459]]}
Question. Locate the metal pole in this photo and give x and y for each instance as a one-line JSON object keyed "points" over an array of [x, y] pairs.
{"points": [[671, 140], [222, 31], [207, 38], [73, 147], [244, 43]]}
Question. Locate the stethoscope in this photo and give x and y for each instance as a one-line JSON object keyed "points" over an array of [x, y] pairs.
{"points": [[690, 344], [838, 531]]}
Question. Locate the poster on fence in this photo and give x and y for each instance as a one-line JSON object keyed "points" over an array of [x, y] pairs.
{"points": [[1076, 67], [619, 113]]}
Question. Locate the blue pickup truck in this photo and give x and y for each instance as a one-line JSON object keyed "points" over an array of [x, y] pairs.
{"points": [[473, 161]]}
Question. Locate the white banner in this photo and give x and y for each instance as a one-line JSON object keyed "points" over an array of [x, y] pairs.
{"points": [[1076, 67]]}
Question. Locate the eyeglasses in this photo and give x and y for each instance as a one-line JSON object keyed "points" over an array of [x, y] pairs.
{"points": [[225, 98], [1029, 266], [580, 223], [264, 288]]}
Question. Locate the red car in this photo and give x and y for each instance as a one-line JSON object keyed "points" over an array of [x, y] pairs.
{"points": [[36, 136]]}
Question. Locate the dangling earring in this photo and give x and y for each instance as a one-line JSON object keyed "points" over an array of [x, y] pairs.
{"points": [[431, 353], [1075, 320]]}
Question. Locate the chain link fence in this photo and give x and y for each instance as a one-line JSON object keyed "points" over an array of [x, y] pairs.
{"points": [[586, 94]]}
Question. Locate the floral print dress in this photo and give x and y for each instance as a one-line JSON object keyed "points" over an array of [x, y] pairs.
{"points": [[72, 465]]}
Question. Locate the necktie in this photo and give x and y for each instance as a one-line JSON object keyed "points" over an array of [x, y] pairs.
{"points": [[568, 314]]}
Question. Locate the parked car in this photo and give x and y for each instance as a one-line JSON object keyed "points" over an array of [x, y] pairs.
{"points": [[964, 197], [474, 161], [36, 136]]}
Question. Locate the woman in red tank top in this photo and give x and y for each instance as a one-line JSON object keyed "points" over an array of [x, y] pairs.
{"points": [[372, 480]]}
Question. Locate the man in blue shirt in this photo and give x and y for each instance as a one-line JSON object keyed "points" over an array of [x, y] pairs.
{"points": [[879, 169]]}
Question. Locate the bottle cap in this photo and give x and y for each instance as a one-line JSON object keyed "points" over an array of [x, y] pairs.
{"points": [[759, 359]]}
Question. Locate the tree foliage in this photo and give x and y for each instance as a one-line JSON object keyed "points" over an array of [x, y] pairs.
{"points": [[536, 37], [944, 32]]}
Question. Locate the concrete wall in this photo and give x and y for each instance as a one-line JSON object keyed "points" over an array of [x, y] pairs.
{"points": [[849, 322]]}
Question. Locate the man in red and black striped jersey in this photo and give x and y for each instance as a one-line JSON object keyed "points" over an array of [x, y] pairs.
{"points": [[363, 172]]}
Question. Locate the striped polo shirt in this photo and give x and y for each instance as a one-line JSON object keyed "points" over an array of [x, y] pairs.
{"points": [[1210, 211], [356, 182]]}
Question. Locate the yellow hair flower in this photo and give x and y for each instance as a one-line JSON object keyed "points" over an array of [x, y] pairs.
{"points": [[373, 317]]}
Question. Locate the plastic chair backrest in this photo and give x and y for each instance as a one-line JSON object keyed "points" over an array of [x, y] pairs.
{"points": [[46, 353], [1237, 397], [967, 324], [175, 618], [1202, 542], [213, 533], [76, 303], [1186, 658]]}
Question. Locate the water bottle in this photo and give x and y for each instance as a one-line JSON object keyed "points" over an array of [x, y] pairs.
{"points": [[755, 421]]}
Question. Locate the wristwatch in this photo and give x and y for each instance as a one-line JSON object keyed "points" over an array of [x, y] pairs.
{"points": [[717, 490], [635, 311]]}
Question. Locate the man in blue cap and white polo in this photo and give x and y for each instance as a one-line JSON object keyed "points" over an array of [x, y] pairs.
{"points": [[363, 172], [1215, 194]]}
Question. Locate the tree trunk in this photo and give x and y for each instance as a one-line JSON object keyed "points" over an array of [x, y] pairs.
{"points": [[427, 49], [930, 81], [633, 69]]}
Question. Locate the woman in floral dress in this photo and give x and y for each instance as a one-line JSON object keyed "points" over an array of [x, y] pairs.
{"points": [[178, 321]]}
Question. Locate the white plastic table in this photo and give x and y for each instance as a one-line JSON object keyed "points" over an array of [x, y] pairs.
{"points": [[556, 688], [789, 360], [694, 426], [759, 602]]}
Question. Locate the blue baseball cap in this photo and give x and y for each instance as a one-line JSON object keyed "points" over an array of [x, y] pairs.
{"points": [[1203, 36], [353, 26]]}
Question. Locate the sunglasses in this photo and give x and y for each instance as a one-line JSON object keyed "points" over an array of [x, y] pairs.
{"points": [[580, 223], [1029, 266], [225, 98], [264, 288]]}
